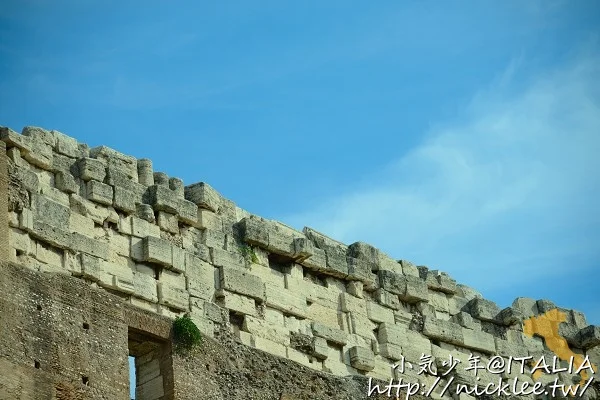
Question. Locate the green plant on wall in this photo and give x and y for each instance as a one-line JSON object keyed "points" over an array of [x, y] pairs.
{"points": [[186, 334], [249, 254]]}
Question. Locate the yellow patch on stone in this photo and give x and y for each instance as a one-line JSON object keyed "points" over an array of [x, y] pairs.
{"points": [[546, 326]]}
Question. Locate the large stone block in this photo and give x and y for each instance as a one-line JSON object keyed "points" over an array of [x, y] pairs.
{"points": [[174, 297], [125, 200], [478, 340], [200, 277], [162, 199], [242, 282], [66, 182], [378, 313], [266, 330], [235, 302], [286, 301], [203, 195], [99, 192], [156, 250], [50, 212], [362, 358], [409, 288], [484, 310], [91, 168], [525, 306], [330, 334], [445, 331], [362, 271]]}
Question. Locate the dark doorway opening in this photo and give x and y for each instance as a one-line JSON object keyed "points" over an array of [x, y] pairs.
{"points": [[151, 367]]}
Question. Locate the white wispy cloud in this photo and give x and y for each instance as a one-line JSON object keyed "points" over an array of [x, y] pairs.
{"points": [[510, 190]]}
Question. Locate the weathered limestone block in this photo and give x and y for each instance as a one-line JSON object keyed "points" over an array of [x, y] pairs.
{"points": [[387, 299], [281, 239], [177, 259], [484, 310], [156, 250], [378, 313], [49, 211], [468, 293], [578, 319], [145, 172], [90, 267], [439, 281], [362, 271], [403, 317], [509, 316], [213, 239], [544, 306], [409, 268], [317, 261], [266, 330], [362, 358], [478, 340], [40, 153], [126, 165], [364, 252], [386, 263], [91, 169], [99, 192], [141, 228], [445, 331], [457, 304], [409, 288], [124, 200], [272, 277], [162, 199], [145, 212], [68, 146], [208, 220], [303, 248], [97, 212], [324, 315], [174, 297], [55, 194], [390, 333], [335, 253], [286, 301], [235, 302], [350, 303], [65, 240], [203, 195], [224, 258], [168, 222], [508, 348], [187, 211], [439, 301], [145, 287], [13, 139], [239, 281], [25, 177], [320, 348], [361, 325], [330, 334], [66, 182], [200, 276], [589, 337], [464, 319], [300, 358], [176, 185], [356, 289]]}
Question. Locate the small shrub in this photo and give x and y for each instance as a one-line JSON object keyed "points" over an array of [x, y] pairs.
{"points": [[249, 254], [186, 334]]}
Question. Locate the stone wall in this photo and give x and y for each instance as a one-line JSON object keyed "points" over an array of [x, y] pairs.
{"points": [[109, 220]]}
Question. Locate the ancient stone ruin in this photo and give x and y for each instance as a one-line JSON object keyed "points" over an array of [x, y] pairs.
{"points": [[100, 254]]}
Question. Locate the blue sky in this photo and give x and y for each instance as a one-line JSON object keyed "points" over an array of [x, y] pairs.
{"points": [[459, 135]]}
